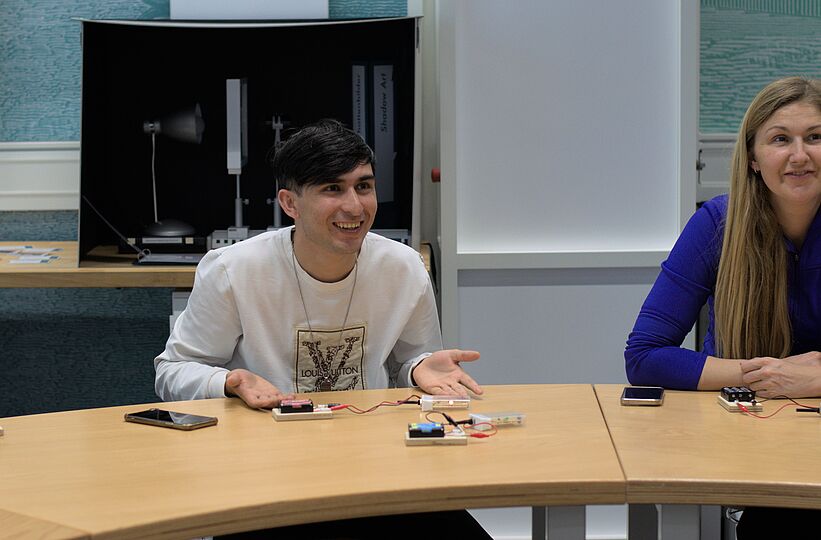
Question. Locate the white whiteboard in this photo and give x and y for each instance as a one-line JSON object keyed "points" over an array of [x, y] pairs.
{"points": [[567, 125]]}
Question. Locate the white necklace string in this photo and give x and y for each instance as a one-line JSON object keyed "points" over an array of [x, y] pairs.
{"points": [[302, 298]]}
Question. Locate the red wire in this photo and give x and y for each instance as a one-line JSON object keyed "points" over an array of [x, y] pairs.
{"points": [[747, 411], [427, 416], [481, 434], [357, 410]]}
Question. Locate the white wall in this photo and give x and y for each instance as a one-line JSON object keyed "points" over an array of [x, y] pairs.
{"points": [[39, 176], [561, 108], [568, 142], [568, 153], [550, 325]]}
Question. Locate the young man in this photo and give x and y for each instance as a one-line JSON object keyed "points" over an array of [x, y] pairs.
{"points": [[324, 305]]}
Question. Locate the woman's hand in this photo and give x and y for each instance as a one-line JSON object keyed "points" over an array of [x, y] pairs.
{"points": [[795, 376]]}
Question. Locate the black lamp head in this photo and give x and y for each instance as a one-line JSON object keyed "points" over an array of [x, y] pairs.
{"points": [[185, 125]]}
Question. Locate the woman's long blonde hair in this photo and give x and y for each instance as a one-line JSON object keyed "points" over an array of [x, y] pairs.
{"points": [[751, 313]]}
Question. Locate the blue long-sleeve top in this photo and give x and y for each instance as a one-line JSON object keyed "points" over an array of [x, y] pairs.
{"points": [[654, 355]]}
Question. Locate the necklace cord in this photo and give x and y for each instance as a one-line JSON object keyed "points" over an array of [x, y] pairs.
{"points": [[305, 307]]}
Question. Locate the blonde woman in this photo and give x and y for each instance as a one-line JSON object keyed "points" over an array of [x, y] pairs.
{"points": [[755, 258]]}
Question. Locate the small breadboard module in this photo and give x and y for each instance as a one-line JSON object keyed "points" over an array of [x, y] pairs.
{"points": [[444, 403], [301, 409], [738, 399], [433, 434]]}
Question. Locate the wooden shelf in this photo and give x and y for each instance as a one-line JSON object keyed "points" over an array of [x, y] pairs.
{"points": [[109, 270]]}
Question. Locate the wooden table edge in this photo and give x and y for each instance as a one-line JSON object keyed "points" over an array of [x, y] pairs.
{"points": [[724, 493], [22, 526], [355, 505]]}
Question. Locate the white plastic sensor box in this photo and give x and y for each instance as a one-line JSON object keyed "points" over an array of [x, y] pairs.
{"points": [[487, 421], [443, 403]]}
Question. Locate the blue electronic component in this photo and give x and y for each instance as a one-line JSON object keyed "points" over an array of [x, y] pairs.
{"points": [[426, 430]]}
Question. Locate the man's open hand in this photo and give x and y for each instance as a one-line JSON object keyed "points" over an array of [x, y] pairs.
{"points": [[440, 373], [253, 389]]}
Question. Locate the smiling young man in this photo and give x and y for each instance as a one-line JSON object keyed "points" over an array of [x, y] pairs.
{"points": [[323, 305]]}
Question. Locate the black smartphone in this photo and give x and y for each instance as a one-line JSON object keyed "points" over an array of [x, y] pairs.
{"points": [[642, 395], [170, 419]]}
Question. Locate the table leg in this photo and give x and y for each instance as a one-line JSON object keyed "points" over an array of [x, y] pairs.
{"points": [[539, 527], [680, 521], [711, 522], [562, 523], [642, 522]]}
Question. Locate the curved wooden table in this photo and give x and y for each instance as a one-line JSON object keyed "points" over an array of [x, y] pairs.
{"points": [[690, 452], [92, 473]]}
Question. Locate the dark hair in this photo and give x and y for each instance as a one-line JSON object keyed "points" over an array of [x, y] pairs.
{"points": [[317, 153]]}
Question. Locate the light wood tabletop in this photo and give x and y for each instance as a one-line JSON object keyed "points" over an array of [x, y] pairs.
{"points": [[109, 269], [92, 472], [692, 451], [21, 527]]}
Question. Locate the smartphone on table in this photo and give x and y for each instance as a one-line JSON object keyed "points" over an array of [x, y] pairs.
{"points": [[642, 395], [170, 419]]}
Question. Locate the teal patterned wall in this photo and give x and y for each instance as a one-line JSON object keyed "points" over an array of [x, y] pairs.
{"points": [[40, 62], [40, 58], [745, 44], [75, 348], [354, 9]]}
